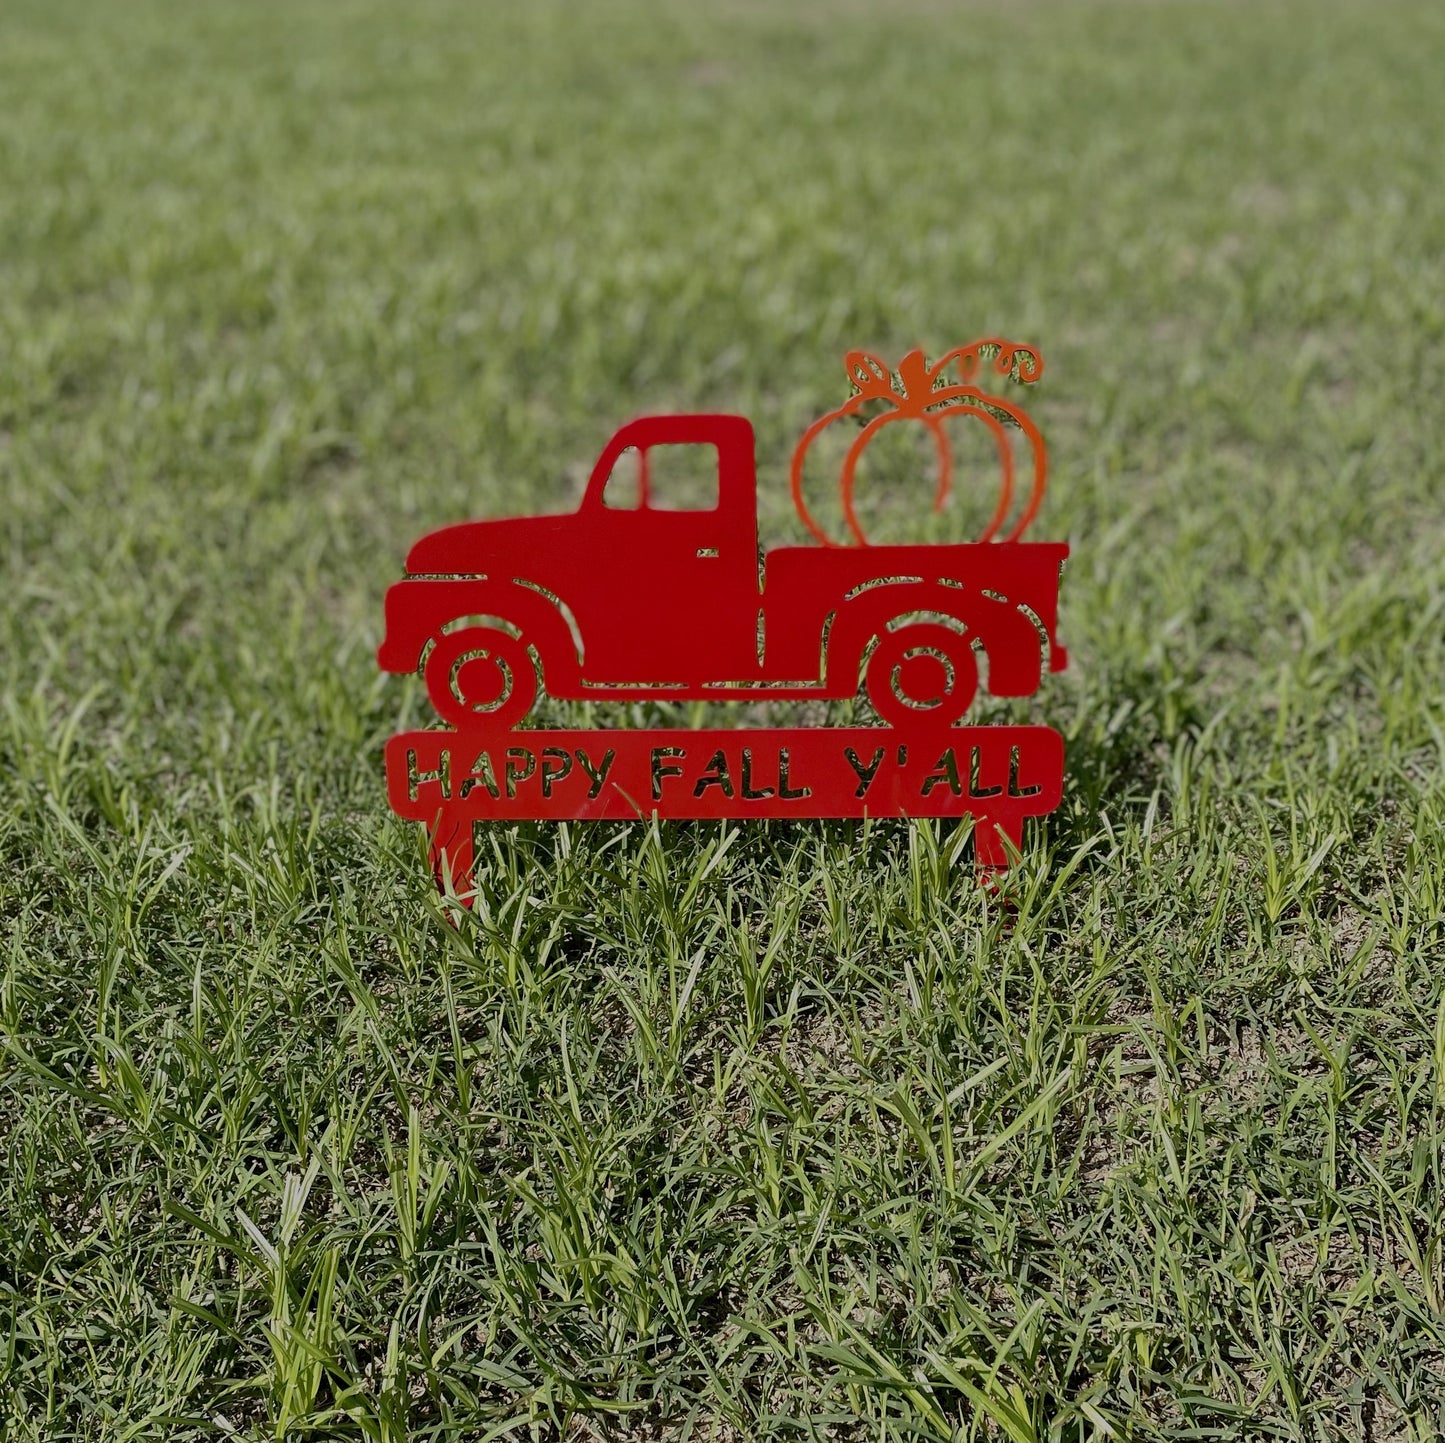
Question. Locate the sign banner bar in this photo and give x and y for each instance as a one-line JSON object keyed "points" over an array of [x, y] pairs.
{"points": [[1003, 773]]}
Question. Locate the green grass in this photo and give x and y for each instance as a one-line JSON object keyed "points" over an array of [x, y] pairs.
{"points": [[694, 1131]]}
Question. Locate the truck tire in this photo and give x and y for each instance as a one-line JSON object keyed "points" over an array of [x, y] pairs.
{"points": [[481, 675], [922, 674]]}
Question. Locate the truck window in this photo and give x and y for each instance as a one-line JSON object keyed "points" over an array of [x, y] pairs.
{"points": [[623, 491], [682, 478], [664, 478]]}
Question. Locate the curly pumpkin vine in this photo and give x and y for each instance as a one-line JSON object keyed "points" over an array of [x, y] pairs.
{"points": [[921, 392]]}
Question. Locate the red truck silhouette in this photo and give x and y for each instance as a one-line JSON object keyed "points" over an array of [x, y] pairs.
{"points": [[640, 602]]}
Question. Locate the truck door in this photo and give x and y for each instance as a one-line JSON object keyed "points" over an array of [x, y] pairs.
{"points": [[674, 533]]}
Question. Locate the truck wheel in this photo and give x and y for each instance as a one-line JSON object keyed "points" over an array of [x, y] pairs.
{"points": [[923, 673], [481, 674]]}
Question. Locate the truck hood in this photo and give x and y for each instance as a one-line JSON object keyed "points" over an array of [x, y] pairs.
{"points": [[471, 547]]}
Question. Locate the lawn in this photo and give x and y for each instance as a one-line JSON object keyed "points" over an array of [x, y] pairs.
{"points": [[703, 1131]]}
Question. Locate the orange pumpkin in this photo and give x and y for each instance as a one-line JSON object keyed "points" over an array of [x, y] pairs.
{"points": [[921, 393]]}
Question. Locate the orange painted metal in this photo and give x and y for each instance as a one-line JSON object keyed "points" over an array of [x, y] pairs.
{"points": [[924, 394]]}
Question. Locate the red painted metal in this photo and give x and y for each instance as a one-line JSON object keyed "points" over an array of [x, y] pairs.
{"points": [[454, 780], [633, 602]]}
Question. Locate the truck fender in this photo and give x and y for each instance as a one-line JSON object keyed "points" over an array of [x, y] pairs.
{"points": [[1009, 638], [421, 609]]}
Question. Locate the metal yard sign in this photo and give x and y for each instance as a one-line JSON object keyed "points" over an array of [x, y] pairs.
{"points": [[635, 596]]}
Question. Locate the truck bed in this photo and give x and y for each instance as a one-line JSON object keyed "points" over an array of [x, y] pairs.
{"points": [[805, 586]]}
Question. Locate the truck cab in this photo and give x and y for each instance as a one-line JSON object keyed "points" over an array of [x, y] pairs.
{"points": [[670, 521]]}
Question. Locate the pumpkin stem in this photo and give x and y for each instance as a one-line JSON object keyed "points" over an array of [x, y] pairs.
{"points": [[917, 381]]}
